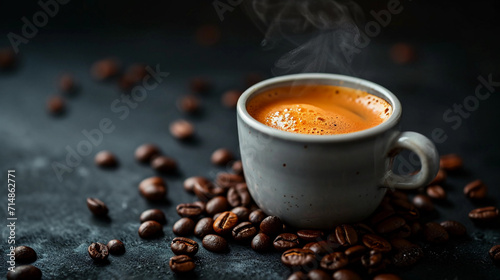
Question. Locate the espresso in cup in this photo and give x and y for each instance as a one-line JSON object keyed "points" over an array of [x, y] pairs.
{"points": [[318, 109]]}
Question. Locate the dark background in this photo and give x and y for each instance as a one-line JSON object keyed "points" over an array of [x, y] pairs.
{"points": [[454, 44]]}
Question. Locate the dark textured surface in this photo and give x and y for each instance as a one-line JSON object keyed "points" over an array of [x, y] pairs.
{"points": [[53, 217]]}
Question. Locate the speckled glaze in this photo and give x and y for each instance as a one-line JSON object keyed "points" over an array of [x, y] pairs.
{"points": [[319, 181]]}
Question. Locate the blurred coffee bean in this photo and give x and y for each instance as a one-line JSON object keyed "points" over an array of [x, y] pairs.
{"points": [[244, 231], [484, 214], [24, 254], [164, 164], [188, 104], [230, 98], [423, 203], [416, 229], [181, 264], [208, 35], [105, 159], [199, 85], [146, 152], [184, 227], [191, 181], [221, 156], [495, 253], [104, 69], [215, 243], [286, 241], [435, 233], [67, 83], [150, 229], [237, 167], [8, 59], [153, 188], [387, 276], [298, 257], [454, 228], [190, 210], [322, 247], [228, 180], [390, 224], [56, 105], [262, 242], [239, 195], [216, 205], [381, 215], [184, 246], [402, 53], [440, 177], [317, 274], [205, 190], [97, 207], [271, 225], [181, 129], [436, 192], [256, 217], [24, 272], [334, 261], [116, 247], [203, 227], [126, 82], [362, 229], [346, 274], [298, 275], [98, 252], [153, 215], [450, 162], [476, 190], [376, 243], [310, 235], [225, 223]]}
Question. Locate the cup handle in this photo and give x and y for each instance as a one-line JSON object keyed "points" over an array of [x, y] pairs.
{"points": [[429, 158]]}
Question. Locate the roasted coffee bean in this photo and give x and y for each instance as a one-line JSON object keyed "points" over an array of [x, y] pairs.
{"points": [[257, 216], [402, 232], [387, 276], [423, 203], [318, 274], [484, 214], [164, 164], [190, 210], [322, 247], [346, 274], [416, 229], [495, 253], [241, 212], [184, 246], [230, 98], [362, 229], [104, 69], [298, 275], [116, 247], [183, 227], [215, 243], [476, 190], [346, 235], [298, 257], [228, 180], [153, 188], [24, 254], [138, 71], [153, 215], [271, 225], [381, 215], [191, 181], [399, 244], [355, 252], [454, 228], [56, 105], [199, 84], [261, 242], [377, 243], [24, 272], [188, 104], [146, 153], [181, 264], [205, 190], [221, 156], [407, 256], [244, 232], [395, 194], [440, 177], [402, 53], [405, 209], [105, 159], [225, 222], [286, 241], [126, 82], [97, 207], [334, 261], [436, 192], [450, 162], [98, 251], [239, 195], [309, 235], [391, 224], [150, 229], [204, 227], [7, 59], [372, 259], [67, 83], [237, 167], [182, 129], [435, 233], [216, 205]]}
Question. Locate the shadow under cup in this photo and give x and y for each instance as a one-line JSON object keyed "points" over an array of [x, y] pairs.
{"points": [[320, 181]]}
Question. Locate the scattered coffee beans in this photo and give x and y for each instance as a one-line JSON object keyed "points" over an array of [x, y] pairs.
{"points": [[67, 83], [215, 243], [184, 246], [24, 254], [484, 214], [98, 252], [24, 272], [56, 105], [423, 203], [116, 247], [436, 192], [105, 159], [181, 264], [8, 59], [150, 229], [476, 190], [146, 152], [188, 104], [199, 85], [104, 69], [97, 207], [183, 227], [450, 162], [164, 164], [181, 129], [153, 215], [153, 189], [221, 156]]}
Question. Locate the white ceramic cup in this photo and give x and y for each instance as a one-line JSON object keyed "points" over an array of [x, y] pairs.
{"points": [[319, 181]]}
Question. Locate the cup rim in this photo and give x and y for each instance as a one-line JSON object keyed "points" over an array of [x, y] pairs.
{"points": [[290, 136]]}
